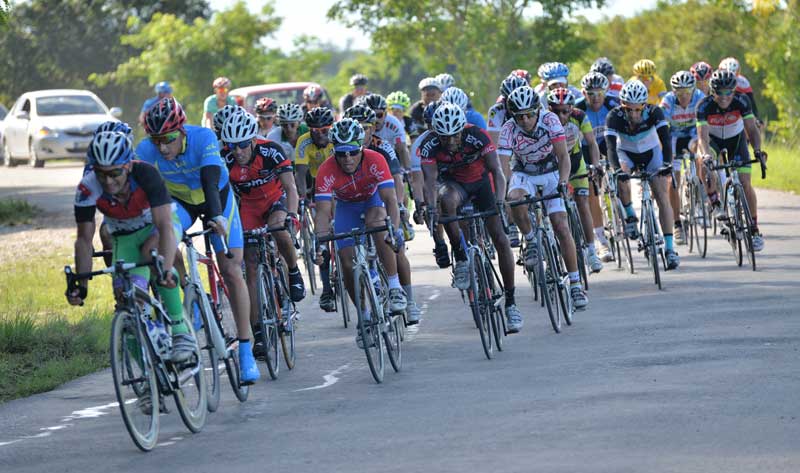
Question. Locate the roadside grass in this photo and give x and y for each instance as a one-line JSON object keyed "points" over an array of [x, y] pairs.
{"points": [[783, 169], [44, 342], [16, 211]]}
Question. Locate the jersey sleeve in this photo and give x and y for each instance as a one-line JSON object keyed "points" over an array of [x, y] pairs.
{"points": [[379, 170], [207, 103], [145, 151], [209, 148], [86, 196], [300, 156], [487, 146], [504, 140], [666, 106], [427, 149], [658, 117], [586, 125], [390, 156], [151, 182], [613, 122], [324, 182], [495, 116], [273, 156], [554, 127], [745, 106]]}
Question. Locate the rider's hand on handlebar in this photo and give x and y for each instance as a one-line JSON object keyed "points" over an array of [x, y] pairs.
{"points": [[418, 216], [562, 188], [292, 222], [77, 295], [220, 225]]}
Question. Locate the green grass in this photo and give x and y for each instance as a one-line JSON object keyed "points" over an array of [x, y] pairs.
{"points": [[44, 342], [783, 169], [16, 211]]}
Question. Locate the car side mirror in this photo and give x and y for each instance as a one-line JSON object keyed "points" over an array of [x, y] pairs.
{"points": [[116, 112], [23, 115]]}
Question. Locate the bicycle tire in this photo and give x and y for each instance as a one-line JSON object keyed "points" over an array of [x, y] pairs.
{"points": [[648, 213], [191, 397], [580, 243], [564, 297], [747, 217], [210, 357], [480, 288], [703, 224], [393, 339], [286, 327], [126, 338], [308, 258], [268, 322], [227, 325], [689, 220], [370, 333], [735, 229], [341, 291], [496, 313], [547, 284], [625, 242]]}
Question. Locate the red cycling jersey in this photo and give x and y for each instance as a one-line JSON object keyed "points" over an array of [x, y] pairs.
{"points": [[467, 165], [372, 174]]}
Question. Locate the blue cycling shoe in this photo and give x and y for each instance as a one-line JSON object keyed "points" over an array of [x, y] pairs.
{"points": [[247, 364]]}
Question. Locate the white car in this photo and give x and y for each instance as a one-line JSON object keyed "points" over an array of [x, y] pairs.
{"points": [[52, 124]]}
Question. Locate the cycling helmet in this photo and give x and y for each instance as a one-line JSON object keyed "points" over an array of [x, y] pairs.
{"points": [[722, 79], [730, 64], [120, 127], [682, 80], [357, 80], [165, 116], [429, 82], [553, 70], [448, 119], [163, 87], [522, 99], [266, 105], [110, 148], [456, 96], [634, 91], [398, 99], [522, 73], [701, 70], [542, 71], [430, 109], [319, 117], [603, 66], [446, 80], [644, 67], [223, 114], [290, 112], [560, 96], [221, 82], [241, 126], [312, 93], [346, 131], [595, 80], [361, 113], [375, 101], [511, 83]]}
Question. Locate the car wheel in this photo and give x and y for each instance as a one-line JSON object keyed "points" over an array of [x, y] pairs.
{"points": [[7, 161], [33, 158]]}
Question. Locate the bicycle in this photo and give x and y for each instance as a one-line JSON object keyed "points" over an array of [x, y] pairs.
{"points": [[576, 227], [485, 287], [738, 219], [277, 311], [216, 322], [140, 363], [340, 296], [550, 278], [374, 324], [307, 247], [694, 209], [613, 220]]}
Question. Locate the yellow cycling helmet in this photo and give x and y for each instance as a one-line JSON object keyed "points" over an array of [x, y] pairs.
{"points": [[644, 67]]}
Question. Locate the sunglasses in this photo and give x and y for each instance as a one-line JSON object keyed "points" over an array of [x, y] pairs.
{"points": [[267, 117], [240, 145], [347, 154], [110, 174], [322, 129], [529, 114], [595, 93], [628, 109], [684, 90], [165, 139], [222, 89], [380, 113], [367, 126], [561, 111], [724, 93]]}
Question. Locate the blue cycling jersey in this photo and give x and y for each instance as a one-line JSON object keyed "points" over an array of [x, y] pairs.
{"points": [[598, 118], [182, 174], [681, 119], [475, 118]]}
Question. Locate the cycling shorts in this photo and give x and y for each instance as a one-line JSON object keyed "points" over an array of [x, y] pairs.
{"points": [[256, 216], [230, 211], [651, 160], [127, 247], [480, 193], [347, 216], [737, 150], [678, 145], [578, 167], [549, 181]]}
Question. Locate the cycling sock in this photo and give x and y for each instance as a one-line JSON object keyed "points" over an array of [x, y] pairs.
{"points": [[171, 297], [394, 282], [294, 271], [629, 210], [576, 284], [668, 241], [509, 296], [600, 234], [713, 197], [461, 255], [530, 235], [244, 347], [409, 292], [591, 248], [325, 275], [678, 224], [574, 278]]}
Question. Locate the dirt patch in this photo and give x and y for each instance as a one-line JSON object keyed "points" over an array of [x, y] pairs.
{"points": [[50, 231]]}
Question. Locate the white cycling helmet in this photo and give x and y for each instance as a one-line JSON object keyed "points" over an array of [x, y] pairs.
{"points": [[634, 91], [429, 82], [730, 64], [682, 80], [290, 112], [456, 96], [446, 80], [223, 114], [241, 126], [346, 131], [448, 119], [522, 99], [595, 81], [110, 148]]}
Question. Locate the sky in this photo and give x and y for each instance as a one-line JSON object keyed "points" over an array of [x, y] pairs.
{"points": [[308, 17]]}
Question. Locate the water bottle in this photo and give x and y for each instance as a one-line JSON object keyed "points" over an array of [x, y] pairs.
{"points": [[376, 281], [158, 334]]}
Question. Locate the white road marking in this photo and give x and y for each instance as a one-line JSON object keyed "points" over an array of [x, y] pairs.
{"points": [[89, 412], [435, 295], [330, 379]]}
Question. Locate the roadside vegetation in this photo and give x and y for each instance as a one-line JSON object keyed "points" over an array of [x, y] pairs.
{"points": [[16, 211], [783, 169]]}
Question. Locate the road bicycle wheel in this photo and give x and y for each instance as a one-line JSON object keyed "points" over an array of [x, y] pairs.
{"points": [[286, 319], [548, 283], [648, 216], [134, 380], [564, 297], [369, 315], [207, 350], [580, 243], [392, 337], [308, 251], [702, 218], [735, 226], [482, 299], [341, 295], [747, 219], [268, 322], [223, 315], [495, 313], [625, 242], [191, 396]]}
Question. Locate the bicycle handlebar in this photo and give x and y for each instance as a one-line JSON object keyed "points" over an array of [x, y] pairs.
{"points": [[266, 229], [205, 230], [118, 267], [533, 199]]}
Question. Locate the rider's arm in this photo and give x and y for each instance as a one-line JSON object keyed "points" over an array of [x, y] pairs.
{"points": [[703, 140], [301, 173], [167, 244], [292, 199], [493, 166], [666, 143], [209, 179], [611, 149], [560, 148], [752, 133], [402, 154], [389, 199], [84, 249], [431, 174], [594, 150]]}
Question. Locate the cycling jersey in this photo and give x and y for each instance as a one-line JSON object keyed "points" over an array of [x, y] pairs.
{"points": [[416, 112], [655, 91], [392, 131], [416, 164], [372, 174], [532, 152], [577, 125], [743, 85], [726, 123], [543, 90], [497, 116], [388, 153], [641, 138], [615, 83], [468, 164], [681, 119], [182, 174], [310, 154], [475, 118], [598, 118], [147, 190]]}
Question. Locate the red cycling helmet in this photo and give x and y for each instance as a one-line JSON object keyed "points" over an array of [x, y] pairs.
{"points": [[165, 116], [266, 105], [312, 93], [701, 70], [523, 73], [221, 82]]}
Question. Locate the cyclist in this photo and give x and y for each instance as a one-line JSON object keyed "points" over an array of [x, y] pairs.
{"points": [[553, 76], [313, 148], [365, 116], [702, 74], [219, 120], [290, 128], [446, 81], [637, 135], [645, 71], [261, 176], [460, 98], [595, 87], [217, 100], [743, 86], [312, 98], [360, 183], [460, 157], [577, 127], [140, 216], [679, 107], [359, 84], [430, 91], [163, 89], [399, 103], [722, 119], [266, 109], [536, 139], [188, 158], [615, 82]]}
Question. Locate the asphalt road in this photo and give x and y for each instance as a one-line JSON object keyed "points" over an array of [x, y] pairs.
{"points": [[702, 376]]}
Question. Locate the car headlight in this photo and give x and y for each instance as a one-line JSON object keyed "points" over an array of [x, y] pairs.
{"points": [[44, 131]]}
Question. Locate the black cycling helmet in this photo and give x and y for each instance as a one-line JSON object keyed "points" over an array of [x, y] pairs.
{"points": [[319, 117], [429, 111], [361, 113], [603, 66], [358, 80], [722, 79], [375, 102]]}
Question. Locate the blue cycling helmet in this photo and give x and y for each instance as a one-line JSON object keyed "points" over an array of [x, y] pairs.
{"points": [[427, 114], [163, 87], [553, 70], [110, 148]]}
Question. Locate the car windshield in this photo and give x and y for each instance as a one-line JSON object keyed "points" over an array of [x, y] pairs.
{"points": [[68, 105]]}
